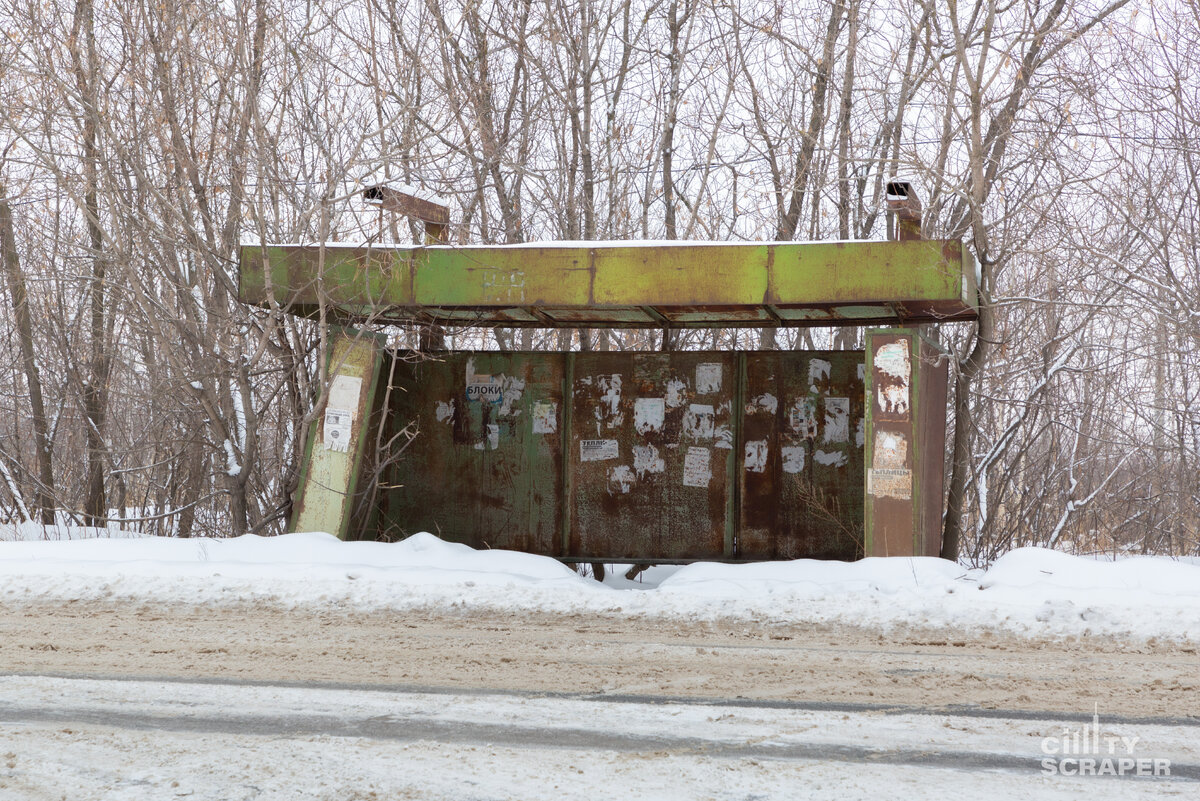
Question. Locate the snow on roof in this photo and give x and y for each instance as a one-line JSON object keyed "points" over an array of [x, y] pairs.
{"points": [[563, 243], [378, 179]]}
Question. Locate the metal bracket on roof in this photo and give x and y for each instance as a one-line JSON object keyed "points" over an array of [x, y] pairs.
{"points": [[435, 216]]}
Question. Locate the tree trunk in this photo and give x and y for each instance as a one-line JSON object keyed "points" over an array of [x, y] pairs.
{"points": [[95, 388], [808, 145], [44, 494]]}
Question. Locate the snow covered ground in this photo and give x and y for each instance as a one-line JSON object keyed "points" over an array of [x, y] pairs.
{"points": [[147, 740], [105, 734], [1029, 591]]}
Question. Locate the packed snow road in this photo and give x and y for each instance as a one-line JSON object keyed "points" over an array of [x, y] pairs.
{"points": [[479, 649], [135, 739], [120, 700]]}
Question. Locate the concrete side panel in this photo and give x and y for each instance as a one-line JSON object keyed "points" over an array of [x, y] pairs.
{"points": [[336, 441]]}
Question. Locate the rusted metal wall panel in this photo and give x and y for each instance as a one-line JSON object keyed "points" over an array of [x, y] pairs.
{"points": [[891, 456], [933, 379], [656, 456], [651, 455], [486, 468], [906, 438], [800, 463]]}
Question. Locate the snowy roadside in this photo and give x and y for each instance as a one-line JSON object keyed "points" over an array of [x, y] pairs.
{"points": [[103, 739], [1031, 592]]}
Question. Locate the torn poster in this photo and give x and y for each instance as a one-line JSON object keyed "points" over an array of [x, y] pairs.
{"points": [[492, 441], [837, 420], [697, 467], [793, 458], [598, 450], [708, 378], [649, 414], [545, 418], [344, 392], [337, 429], [756, 456], [889, 483], [891, 451], [698, 421]]}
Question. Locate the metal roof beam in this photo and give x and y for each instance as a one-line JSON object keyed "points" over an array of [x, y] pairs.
{"points": [[818, 283]]}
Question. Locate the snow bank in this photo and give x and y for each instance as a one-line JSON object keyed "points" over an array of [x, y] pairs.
{"points": [[38, 531], [811, 578], [1031, 591], [1053, 572]]}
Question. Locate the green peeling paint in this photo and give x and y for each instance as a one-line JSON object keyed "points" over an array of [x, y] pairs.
{"points": [[848, 279]]}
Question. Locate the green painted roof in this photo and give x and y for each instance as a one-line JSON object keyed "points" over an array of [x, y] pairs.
{"points": [[621, 284]]}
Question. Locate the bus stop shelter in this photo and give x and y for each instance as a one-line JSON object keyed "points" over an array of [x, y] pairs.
{"points": [[644, 457]]}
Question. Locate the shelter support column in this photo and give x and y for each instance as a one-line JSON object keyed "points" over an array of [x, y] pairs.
{"points": [[338, 439], [905, 442]]}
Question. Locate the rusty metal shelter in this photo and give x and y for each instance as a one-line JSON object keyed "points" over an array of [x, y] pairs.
{"points": [[634, 456]]}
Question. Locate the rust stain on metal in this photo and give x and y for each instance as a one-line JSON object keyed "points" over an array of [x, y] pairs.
{"points": [[714, 314], [485, 468], [801, 467], [672, 456], [930, 437], [663, 422], [608, 316]]}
